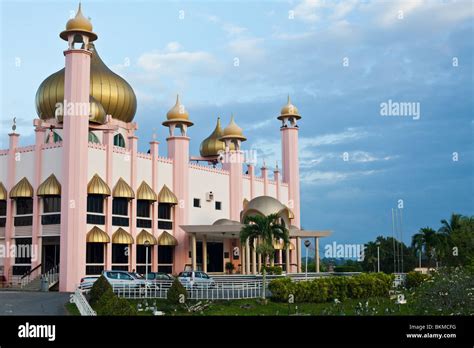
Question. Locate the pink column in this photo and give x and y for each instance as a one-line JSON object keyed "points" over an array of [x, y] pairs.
{"points": [[178, 150], [11, 181], [132, 143], [252, 180], [74, 168], [109, 143], [154, 211], [36, 234], [291, 172], [276, 177], [264, 171], [233, 164]]}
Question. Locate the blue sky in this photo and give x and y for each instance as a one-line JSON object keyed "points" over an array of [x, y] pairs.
{"points": [[396, 50]]}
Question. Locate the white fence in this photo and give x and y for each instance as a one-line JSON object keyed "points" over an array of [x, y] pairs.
{"points": [[81, 303], [220, 291]]}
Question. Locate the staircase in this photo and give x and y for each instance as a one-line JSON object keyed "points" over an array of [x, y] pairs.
{"points": [[31, 280]]}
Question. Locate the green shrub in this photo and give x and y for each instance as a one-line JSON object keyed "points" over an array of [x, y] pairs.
{"points": [[175, 291], [448, 291], [415, 279], [111, 304], [101, 286], [330, 288], [273, 270]]}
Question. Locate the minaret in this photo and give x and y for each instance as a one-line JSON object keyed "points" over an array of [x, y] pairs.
{"points": [[76, 111], [232, 161], [178, 149], [291, 173]]}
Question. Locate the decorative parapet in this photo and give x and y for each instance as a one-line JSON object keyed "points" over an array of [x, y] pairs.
{"points": [[3, 152], [52, 146], [97, 146], [165, 160], [144, 155], [24, 149], [246, 176], [208, 169], [257, 178], [122, 150]]}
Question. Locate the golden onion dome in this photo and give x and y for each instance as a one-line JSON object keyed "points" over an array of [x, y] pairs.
{"points": [[211, 146], [177, 114], [107, 89], [233, 131], [289, 110], [78, 24]]}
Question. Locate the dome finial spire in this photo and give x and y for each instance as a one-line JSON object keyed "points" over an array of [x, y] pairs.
{"points": [[289, 100]]}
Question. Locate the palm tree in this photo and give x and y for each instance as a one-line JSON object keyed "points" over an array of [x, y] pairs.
{"points": [[266, 229], [433, 243], [454, 224]]}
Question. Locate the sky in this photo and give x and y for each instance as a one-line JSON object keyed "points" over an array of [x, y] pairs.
{"points": [[340, 61]]}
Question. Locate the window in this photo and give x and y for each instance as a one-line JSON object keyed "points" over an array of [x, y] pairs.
{"points": [[141, 254], [119, 140], [164, 211], [24, 249], [52, 204], [218, 205], [53, 219], [3, 208], [95, 253], [143, 223], [95, 204], [93, 138], [95, 219], [120, 206], [124, 276], [24, 206], [165, 225], [143, 208], [165, 254], [120, 253], [196, 203]]}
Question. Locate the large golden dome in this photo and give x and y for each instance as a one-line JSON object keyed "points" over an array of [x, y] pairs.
{"points": [[212, 145], [107, 88]]}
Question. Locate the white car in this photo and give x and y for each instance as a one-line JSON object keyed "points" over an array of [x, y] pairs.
{"points": [[196, 279], [123, 279], [87, 282]]}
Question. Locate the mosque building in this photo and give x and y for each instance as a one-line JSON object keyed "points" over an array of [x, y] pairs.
{"points": [[90, 201]]}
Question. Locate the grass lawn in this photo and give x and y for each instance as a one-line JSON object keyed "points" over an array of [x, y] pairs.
{"points": [[72, 308], [373, 306]]}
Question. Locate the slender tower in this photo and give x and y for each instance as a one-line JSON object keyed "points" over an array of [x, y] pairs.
{"points": [[291, 173], [76, 111], [178, 150], [233, 161]]}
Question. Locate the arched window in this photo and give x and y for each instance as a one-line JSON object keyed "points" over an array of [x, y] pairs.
{"points": [[93, 138], [119, 140], [56, 137]]}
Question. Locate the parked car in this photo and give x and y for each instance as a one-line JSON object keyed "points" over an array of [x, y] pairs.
{"points": [[123, 279], [87, 282], [159, 276], [196, 279]]}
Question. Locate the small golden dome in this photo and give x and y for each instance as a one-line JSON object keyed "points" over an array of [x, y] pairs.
{"points": [[177, 114], [115, 96], [212, 145], [289, 110], [233, 131], [79, 24]]}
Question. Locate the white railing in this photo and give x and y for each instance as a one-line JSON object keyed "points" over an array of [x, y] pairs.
{"points": [[81, 303], [218, 291], [52, 276]]}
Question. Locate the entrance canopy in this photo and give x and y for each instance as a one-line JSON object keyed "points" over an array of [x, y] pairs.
{"points": [[222, 228]]}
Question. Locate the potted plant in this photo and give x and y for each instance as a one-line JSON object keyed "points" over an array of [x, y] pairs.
{"points": [[229, 267]]}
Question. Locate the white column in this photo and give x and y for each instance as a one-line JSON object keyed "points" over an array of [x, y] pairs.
{"points": [[242, 260], [193, 252], [254, 257], [204, 253], [317, 253], [298, 254], [247, 256], [287, 261]]}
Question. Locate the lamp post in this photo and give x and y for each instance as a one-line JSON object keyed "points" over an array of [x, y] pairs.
{"points": [[147, 244], [307, 243], [378, 256]]}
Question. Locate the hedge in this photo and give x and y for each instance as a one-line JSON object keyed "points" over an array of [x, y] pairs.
{"points": [[272, 270], [415, 279], [328, 289]]}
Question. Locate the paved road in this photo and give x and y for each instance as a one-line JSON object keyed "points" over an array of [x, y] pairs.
{"points": [[33, 303]]}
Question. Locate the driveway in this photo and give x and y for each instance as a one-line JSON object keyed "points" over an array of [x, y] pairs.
{"points": [[33, 303]]}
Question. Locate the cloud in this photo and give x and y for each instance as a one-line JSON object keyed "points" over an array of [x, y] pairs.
{"points": [[250, 49], [173, 59], [330, 177], [350, 134]]}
